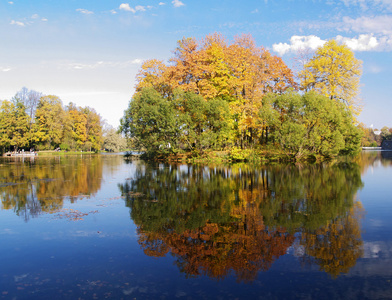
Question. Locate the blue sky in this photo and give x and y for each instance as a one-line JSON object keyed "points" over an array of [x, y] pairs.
{"points": [[88, 52]]}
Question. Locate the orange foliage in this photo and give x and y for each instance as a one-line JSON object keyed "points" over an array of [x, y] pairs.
{"points": [[240, 73]]}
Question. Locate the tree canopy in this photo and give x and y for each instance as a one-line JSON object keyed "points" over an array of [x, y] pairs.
{"points": [[239, 73], [334, 72], [215, 95]]}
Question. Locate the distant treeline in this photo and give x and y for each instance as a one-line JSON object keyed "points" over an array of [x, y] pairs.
{"points": [[374, 137], [31, 120]]}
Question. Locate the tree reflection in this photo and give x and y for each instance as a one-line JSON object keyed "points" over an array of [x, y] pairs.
{"points": [[336, 246], [42, 185], [238, 220]]}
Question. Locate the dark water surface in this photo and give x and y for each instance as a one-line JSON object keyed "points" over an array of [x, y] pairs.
{"points": [[97, 227]]}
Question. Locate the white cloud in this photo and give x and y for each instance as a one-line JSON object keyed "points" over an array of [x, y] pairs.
{"points": [[298, 43], [84, 11], [126, 7], [18, 23], [136, 61], [380, 27], [44, 19], [35, 16], [177, 3], [365, 42], [369, 4], [140, 8], [5, 69], [162, 3], [10, 2], [380, 24]]}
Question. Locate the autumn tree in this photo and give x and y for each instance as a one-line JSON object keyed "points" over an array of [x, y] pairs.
{"points": [[49, 117], [369, 139], [53, 126], [237, 80], [75, 127], [239, 73], [5, 125], [334, 72], [14, 125], [153, 73], [94, 138]]}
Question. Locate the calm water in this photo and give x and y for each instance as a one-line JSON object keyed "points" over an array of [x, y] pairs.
{"points": [[97, 227]]}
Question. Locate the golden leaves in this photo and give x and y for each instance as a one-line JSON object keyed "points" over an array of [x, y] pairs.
{"points": [[334, 72]]}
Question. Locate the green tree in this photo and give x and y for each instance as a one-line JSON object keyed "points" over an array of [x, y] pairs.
{"points": [[310, 124], [205, 123], [113, 141], [152, 121], [334, 72], [167, 125], [386, 133]]}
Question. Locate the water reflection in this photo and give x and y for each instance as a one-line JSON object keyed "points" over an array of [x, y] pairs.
{"points": [[370, 159], [31, 187], [336, 246], [238, 220]]}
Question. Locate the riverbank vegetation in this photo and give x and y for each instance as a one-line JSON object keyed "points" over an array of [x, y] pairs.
{"points": [[239, 98]]}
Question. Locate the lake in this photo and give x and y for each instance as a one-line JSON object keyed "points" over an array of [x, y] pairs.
{"points": [[100, 227]]}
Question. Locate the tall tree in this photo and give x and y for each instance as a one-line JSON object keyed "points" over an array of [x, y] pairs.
{"points": [[76, 130], [153, 73], [334, 72], [152, 121], [21, 124], [30, 99], [5, 124], [49, 122], [14, 125], [93, 129]]}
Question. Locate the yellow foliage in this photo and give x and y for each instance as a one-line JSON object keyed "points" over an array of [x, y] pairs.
{"points": [[334, 72]]}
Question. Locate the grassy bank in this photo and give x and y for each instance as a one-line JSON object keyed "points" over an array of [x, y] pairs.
{"points": [[62, 153]]}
